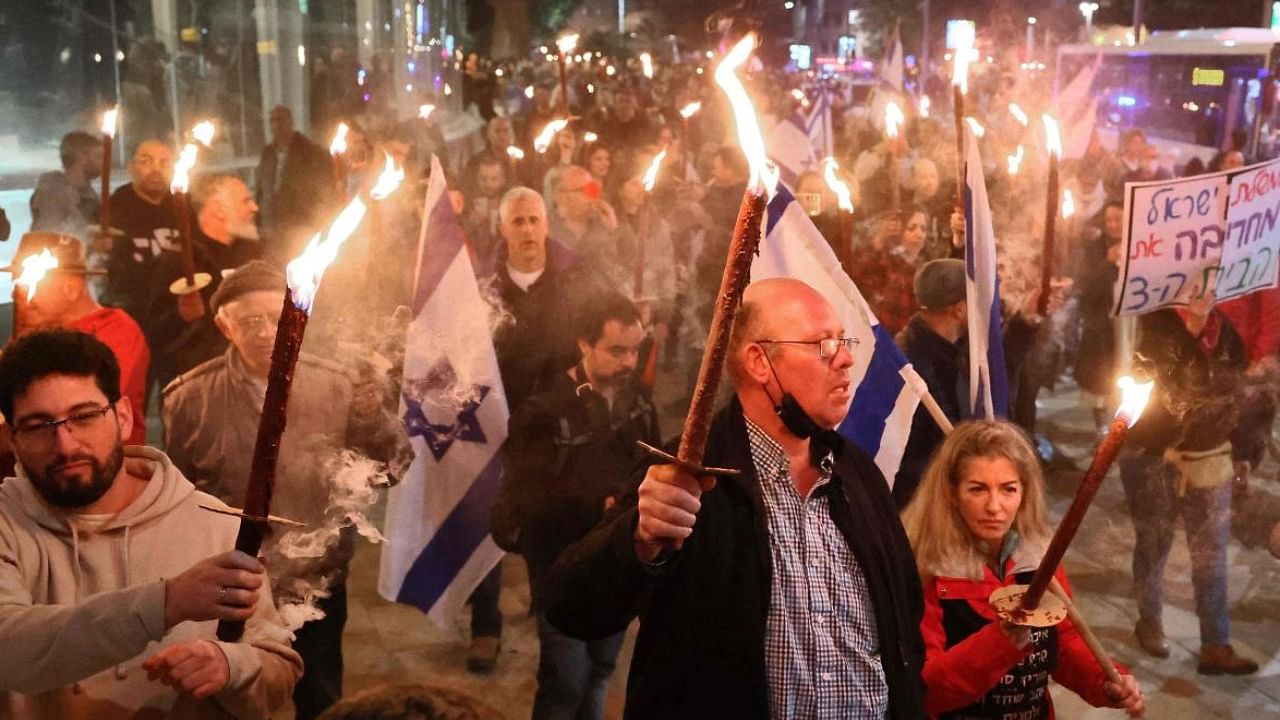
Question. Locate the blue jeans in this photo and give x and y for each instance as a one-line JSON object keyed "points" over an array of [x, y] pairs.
{"points": [[1151, 486], [573, 675]]}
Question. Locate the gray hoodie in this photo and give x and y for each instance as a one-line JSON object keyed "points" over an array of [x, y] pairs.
{"points": [[81, 609]]}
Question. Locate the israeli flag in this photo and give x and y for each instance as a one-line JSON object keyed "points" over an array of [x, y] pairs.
{"points": [[454, 408], [988, 381], [886, 387]]}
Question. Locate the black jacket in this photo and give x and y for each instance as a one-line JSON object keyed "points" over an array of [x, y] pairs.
{"points": [[700, 651], [943, 367]]}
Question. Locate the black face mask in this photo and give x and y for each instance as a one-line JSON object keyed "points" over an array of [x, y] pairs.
{"points": [[821, 440]]}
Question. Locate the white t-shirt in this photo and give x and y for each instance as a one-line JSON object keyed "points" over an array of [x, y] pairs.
{"points": [[524, 280]]}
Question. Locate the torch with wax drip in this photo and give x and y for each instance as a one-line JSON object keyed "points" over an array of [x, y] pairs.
{"points": [[1027, 604], [104, 231], [893, 119], [737, 267], [1053, 201], [844, 201], [338, 148], [304, 274], [565, 45], [191, 281]]}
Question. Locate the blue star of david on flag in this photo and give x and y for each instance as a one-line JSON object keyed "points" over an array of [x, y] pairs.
{"points": [[440, 437]]}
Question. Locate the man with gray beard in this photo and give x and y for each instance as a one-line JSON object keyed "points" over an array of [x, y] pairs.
{"points": [[211, 417], [181, 327]]}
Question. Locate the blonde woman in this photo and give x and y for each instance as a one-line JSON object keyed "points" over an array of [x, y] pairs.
{"points": [[976, 523]]}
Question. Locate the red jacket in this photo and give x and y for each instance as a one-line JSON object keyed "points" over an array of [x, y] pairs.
{"points": [[1256, 318], [119, 332], [961, 675]]}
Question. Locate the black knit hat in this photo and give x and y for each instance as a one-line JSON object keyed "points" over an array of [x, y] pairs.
{"points": [[940, 283], [252, 276]]}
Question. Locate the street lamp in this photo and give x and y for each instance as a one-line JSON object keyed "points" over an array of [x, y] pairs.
{"points": [[1087, 9]]}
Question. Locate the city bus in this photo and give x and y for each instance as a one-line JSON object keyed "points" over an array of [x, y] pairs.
{"points": [[1188, 90]]}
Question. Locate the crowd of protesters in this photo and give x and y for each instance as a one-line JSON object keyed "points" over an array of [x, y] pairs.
{"points": [[605, 285]]}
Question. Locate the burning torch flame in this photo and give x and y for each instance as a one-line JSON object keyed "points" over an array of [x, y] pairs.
{"points": [[1015, 161], [109, 122], [745, 115], [1133, 398], [339, 144], [543, 141], [182, 169], [305, 271], [515, 152], [924, 106], [1018, 114], [838, 186], [424, 111], [690, 110], [34, 268], [960, 66], [893, 119], [646, 64], [651, 175], [800, 97], [975, 127], [203, 131], [567, 43], [590, 137], [1052, 141], [1068, 204]]}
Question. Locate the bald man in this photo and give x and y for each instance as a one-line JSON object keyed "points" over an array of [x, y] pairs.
{"points": [[144, 210], [788, 590]]}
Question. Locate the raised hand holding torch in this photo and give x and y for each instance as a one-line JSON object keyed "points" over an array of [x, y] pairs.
{"points": [[104, 234]]}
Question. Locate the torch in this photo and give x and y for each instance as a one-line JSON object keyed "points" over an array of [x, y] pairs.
{"points": [[565, 45], [1052, 203], [514, 156], [543, 141], [34, 268], [893, 119], [1022, 604], [642, 235], [959, 87], [1019, 115], [104, 229], [737, 268], [338, 147], [304, 275], [646, 65], [844, 199], [686, 113], [1015, 161], [191, 281], [203, 132]]}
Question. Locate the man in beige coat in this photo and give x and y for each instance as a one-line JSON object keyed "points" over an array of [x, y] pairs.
{"points": [[112, 577]]}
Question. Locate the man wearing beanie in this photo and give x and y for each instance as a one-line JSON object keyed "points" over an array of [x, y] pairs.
{"points": [[933, 342], [211, 417]]}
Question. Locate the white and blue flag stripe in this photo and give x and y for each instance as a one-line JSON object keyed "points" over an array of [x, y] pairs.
{"points": [[988, 381]]}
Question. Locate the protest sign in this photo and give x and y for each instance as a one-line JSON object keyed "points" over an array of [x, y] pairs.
{"points": [[1185, 236]]}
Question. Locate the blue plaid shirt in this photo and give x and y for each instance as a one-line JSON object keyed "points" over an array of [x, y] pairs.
{"points": [[822, 655]]}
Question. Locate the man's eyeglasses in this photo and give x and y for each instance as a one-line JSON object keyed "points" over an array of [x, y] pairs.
{"points": [[827, 347], [254, 324], [42, 435]]}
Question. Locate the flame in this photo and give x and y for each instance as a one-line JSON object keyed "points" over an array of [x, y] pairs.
{"points": [[1068, 204], [924, 106], [388, 180], [893, 119], [651, 175], [339, 144], [424, 111], [960, 65], [1052, 141], [1015, 161], [528, 92], [109, 121], [566, 43], [1133, 398], [543, 141], [182, 169], [34, 268], [838, 186], [745, 115], [1018, 114], [610, 71], [590, 137], [203, 131], [800, 97], [646, 64], [975, 127], [690, 110], [515, 152]]}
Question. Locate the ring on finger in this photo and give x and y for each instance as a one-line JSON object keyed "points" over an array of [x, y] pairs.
{"points": [[222, 595]]}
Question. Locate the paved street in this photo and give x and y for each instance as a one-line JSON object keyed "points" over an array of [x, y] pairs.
{"points": [[385, 641]]}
